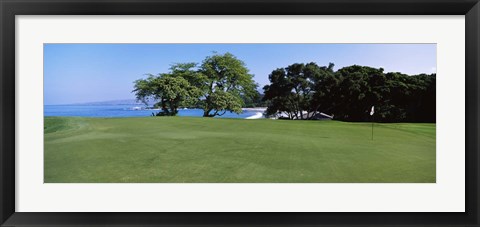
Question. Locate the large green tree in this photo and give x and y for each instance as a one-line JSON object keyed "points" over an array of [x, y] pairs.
{"points": [[397, 97], [221, 83], [190, 72], [226, 82], [349, 93], [168, 90], [360, 87], [299, 90]]}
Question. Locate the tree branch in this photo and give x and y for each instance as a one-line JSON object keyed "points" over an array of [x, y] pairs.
{"points": [[224, 111]]}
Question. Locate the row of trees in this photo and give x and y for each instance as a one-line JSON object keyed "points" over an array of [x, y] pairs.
{"points": [[349, 93], [223, 83], [219, 84]]}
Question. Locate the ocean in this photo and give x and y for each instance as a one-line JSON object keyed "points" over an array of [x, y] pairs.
{"points": [[129, 111]]}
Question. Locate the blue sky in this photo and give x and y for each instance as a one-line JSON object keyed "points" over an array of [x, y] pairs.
{"points": [[76, 73]]}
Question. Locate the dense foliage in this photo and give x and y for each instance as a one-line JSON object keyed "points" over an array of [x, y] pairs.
{"points": [[227, 84], [302, 90], [221, 83], [170, 90]]}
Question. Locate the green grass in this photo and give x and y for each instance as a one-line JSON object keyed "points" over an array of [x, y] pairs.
{"points": [[182, 149]]}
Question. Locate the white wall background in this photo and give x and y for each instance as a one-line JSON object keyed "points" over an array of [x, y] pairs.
{"points": [[447, 195]]}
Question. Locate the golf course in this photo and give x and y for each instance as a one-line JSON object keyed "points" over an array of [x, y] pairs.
{"points": [[212, 150]]}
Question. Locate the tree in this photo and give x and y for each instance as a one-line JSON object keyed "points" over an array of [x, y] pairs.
{"points": [[168, 90], [226, 82], [349, 93], [359, 89], [252, 102], [189, 71], [222, 101], [299, 90], [397, 97], [279, 94], [221, 83], [325, 87]]}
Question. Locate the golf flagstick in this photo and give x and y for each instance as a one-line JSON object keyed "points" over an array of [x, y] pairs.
{"points": [[371, 114]]}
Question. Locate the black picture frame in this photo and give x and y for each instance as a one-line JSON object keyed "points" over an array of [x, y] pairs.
{"points": [[10, 8]]}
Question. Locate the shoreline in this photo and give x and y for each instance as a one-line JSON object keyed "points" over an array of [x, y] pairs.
{"points": [[263, 109]]}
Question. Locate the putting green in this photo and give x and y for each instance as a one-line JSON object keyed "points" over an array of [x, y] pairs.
{"points": [[183, 149]]}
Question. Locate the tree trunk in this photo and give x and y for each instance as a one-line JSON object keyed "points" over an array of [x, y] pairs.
{"points": [[172, 108], [206, 113], [164, 107]]}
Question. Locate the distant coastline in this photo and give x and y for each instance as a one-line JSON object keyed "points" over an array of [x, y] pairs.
{"points": [[101, 103], [123, 109], [135, 102]]}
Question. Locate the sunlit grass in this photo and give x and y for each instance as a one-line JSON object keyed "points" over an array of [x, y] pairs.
{"points": [[182, 149]]}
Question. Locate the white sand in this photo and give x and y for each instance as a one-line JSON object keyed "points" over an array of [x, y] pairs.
{"points": [[259, 109], [258, 115]]}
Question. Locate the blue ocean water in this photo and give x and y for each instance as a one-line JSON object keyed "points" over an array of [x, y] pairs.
{"points": [[125, 111]]}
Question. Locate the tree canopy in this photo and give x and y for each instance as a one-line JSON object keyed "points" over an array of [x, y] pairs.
{"points": [[168, 90], [301, 90], [227, 84], [221, 83]]}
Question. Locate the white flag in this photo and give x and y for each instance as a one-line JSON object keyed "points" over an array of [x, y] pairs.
{"points": [[372, 111]]}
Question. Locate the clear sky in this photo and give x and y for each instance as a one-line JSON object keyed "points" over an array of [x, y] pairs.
{"points": [[76, 73]]}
